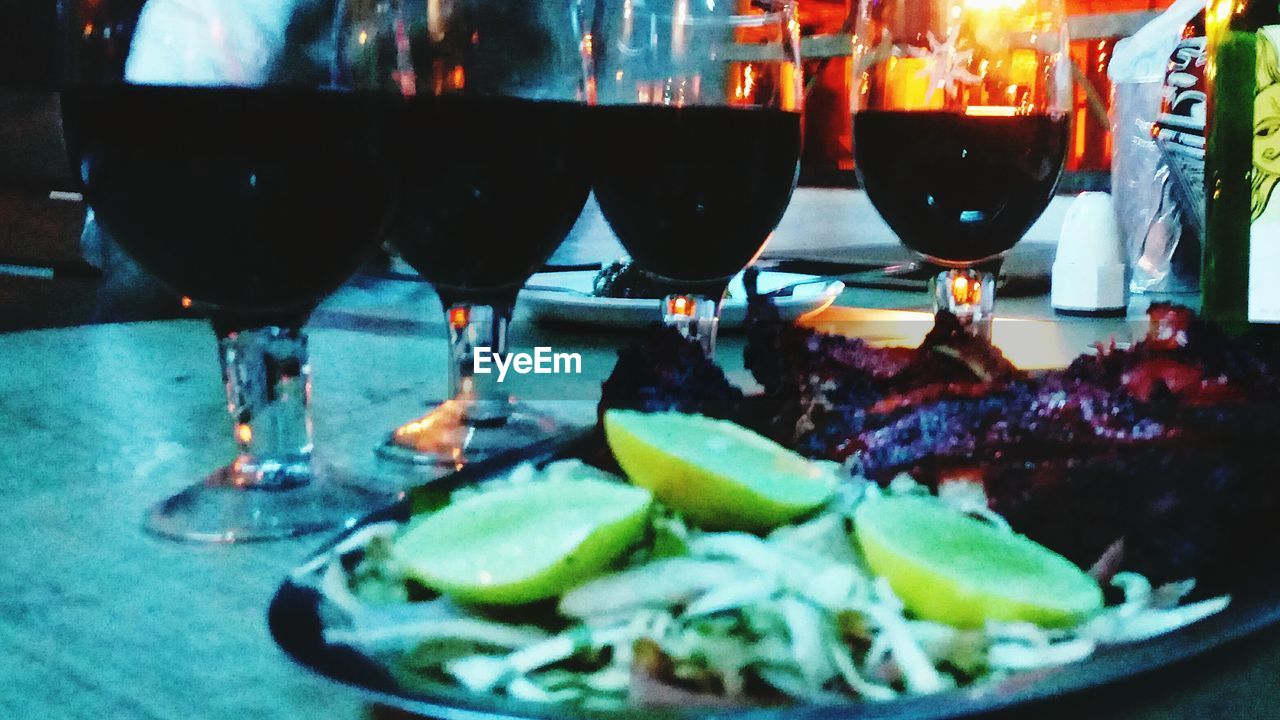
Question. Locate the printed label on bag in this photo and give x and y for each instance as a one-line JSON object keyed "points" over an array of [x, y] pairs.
{"points": [[1264, 235]]}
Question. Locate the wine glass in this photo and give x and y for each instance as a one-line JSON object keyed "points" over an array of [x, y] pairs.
{"points": [[697, 141], [960, 130], [493, 169], [221, 152]]}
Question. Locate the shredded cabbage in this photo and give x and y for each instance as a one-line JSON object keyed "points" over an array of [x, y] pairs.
{"points": [[797, 610]]}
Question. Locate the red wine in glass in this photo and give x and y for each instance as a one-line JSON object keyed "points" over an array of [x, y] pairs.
{"points": [[959, 189], [697, 143], [489, 187], [694, 192], [484, 209], [244, 176], [255, 202], [490, 144], [960, 132]]}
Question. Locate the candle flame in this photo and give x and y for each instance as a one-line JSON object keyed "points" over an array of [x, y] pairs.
{"points": [[965, 291], [459, 317]]}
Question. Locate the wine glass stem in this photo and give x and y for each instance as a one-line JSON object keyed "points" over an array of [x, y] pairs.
{"points": [[268, 383], [696, 317], [970, 295], [477, 353]]}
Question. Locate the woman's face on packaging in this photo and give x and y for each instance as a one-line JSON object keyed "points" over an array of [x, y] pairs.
{"points": [[1266, 131]]}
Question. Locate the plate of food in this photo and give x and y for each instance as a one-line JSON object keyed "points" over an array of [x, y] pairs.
{"points": [[619, 296], [884, 532]]}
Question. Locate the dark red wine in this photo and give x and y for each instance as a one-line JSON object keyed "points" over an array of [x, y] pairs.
{"points": [[489, 187], [255, 202], [694, 192], [958, 188]]}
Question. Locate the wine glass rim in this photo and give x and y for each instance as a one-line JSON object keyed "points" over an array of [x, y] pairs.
{"points": [[735, 20]]}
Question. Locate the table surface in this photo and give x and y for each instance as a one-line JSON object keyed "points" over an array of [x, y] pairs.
{"points": [[100, 620]]}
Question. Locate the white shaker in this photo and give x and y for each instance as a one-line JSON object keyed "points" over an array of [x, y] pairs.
{"points": [[1089, 269]]}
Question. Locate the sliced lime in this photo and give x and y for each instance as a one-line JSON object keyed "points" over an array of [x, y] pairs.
{"points": [[717, 474], [525, 542], [952, 568]]}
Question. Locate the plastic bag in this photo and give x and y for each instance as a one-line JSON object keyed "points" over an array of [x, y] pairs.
{"points": [[1157, 126]]}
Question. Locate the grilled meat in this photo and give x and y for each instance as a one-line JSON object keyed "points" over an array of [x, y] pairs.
{"points": [[666, 371], [624, 279], [823, 387], [1181, 511], [1163, 452]]}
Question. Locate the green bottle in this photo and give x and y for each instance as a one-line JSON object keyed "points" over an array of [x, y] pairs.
{"points": [[1240, 274]]}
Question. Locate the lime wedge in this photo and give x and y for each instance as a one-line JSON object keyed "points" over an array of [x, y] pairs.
{"points": [[954, 569], [525, 542], [717, 474]]}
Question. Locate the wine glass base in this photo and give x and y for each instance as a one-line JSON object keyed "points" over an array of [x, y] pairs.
{"points": [[222, 509], [446, 439]]}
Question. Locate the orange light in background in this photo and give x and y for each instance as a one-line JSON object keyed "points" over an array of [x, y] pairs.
{"points": [[824, 83], [907, 86], [789, 80], [457, 78], [408, 82], [993, 5], [244, 433], [747, 84], [186, 302], [991, 110], [459, 317], [1090, 138], [404, 74], [679, 305], [1218, 13], [965, 291], [1024, 67], [415, 427], [1078, 144]]}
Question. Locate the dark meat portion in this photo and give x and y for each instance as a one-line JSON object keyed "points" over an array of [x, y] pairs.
{"points": [[815, 381], [1161, 456], [780, 354], [666, 371], [1168, 445], [1044, 417], [624, 279], [1190, 357], [949, 347], [1184, 385], [1182, 512], [821, 387]]}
